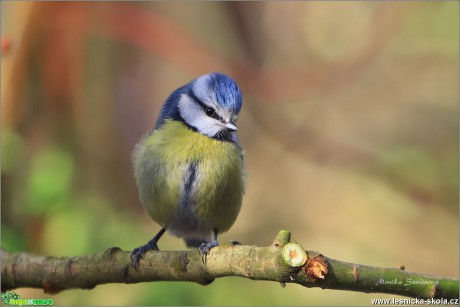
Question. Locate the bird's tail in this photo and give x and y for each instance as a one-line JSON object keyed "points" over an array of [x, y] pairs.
{"points": [[195, 242]]}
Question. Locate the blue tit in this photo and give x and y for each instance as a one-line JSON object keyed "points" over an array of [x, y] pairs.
{"points": [[189, 168]]}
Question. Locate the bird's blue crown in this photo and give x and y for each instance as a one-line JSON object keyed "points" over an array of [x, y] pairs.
{"points": [[226, 90]]}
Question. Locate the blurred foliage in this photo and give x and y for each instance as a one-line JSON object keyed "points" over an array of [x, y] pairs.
{"points": [[350, 127], [411, 169], [48, 186], [12, 149]]}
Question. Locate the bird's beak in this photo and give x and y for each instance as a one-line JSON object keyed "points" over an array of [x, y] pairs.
{"points": [[231, 127]]}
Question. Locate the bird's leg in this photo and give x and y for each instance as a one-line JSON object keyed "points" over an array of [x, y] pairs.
{"points": [[137, 253], [205, 248]]}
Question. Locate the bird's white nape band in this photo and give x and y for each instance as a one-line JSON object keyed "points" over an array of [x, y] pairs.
{"points": [[201, 90]]}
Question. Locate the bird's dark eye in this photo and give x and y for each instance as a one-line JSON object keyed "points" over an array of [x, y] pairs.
{"points": [[210, 111]]}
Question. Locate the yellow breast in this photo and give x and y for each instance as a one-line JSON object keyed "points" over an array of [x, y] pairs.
{"points": [[161, 162]]}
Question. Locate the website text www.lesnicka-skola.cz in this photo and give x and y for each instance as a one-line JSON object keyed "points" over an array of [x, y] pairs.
{"points": [[414, 301]]}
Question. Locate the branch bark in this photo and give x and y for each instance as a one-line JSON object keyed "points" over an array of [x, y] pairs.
{"points": [[282, 261]]}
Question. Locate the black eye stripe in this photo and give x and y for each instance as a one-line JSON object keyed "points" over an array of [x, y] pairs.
{"points": [[206, 109]]}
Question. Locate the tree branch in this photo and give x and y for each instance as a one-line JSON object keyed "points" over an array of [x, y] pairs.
{"points": [[283, 262]]}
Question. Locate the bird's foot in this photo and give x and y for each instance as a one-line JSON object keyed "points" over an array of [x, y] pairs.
{"points": [[205, 248], [138, 252]]}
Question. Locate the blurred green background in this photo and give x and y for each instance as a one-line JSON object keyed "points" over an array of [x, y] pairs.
{"points": [[349, 123]]}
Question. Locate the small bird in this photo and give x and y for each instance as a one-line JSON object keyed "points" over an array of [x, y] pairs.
{"points": [[189, 168]]}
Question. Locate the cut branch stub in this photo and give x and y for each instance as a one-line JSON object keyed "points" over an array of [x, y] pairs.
{"points": [[294, 255], [316, 267]]}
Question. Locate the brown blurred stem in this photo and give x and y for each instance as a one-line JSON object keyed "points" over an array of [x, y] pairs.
{"points": [[54, 274]]}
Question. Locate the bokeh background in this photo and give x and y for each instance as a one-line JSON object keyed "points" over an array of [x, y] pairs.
{"points": [[350, 127]]}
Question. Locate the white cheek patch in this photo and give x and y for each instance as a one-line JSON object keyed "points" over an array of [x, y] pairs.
{"points": [[194, 115]]}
